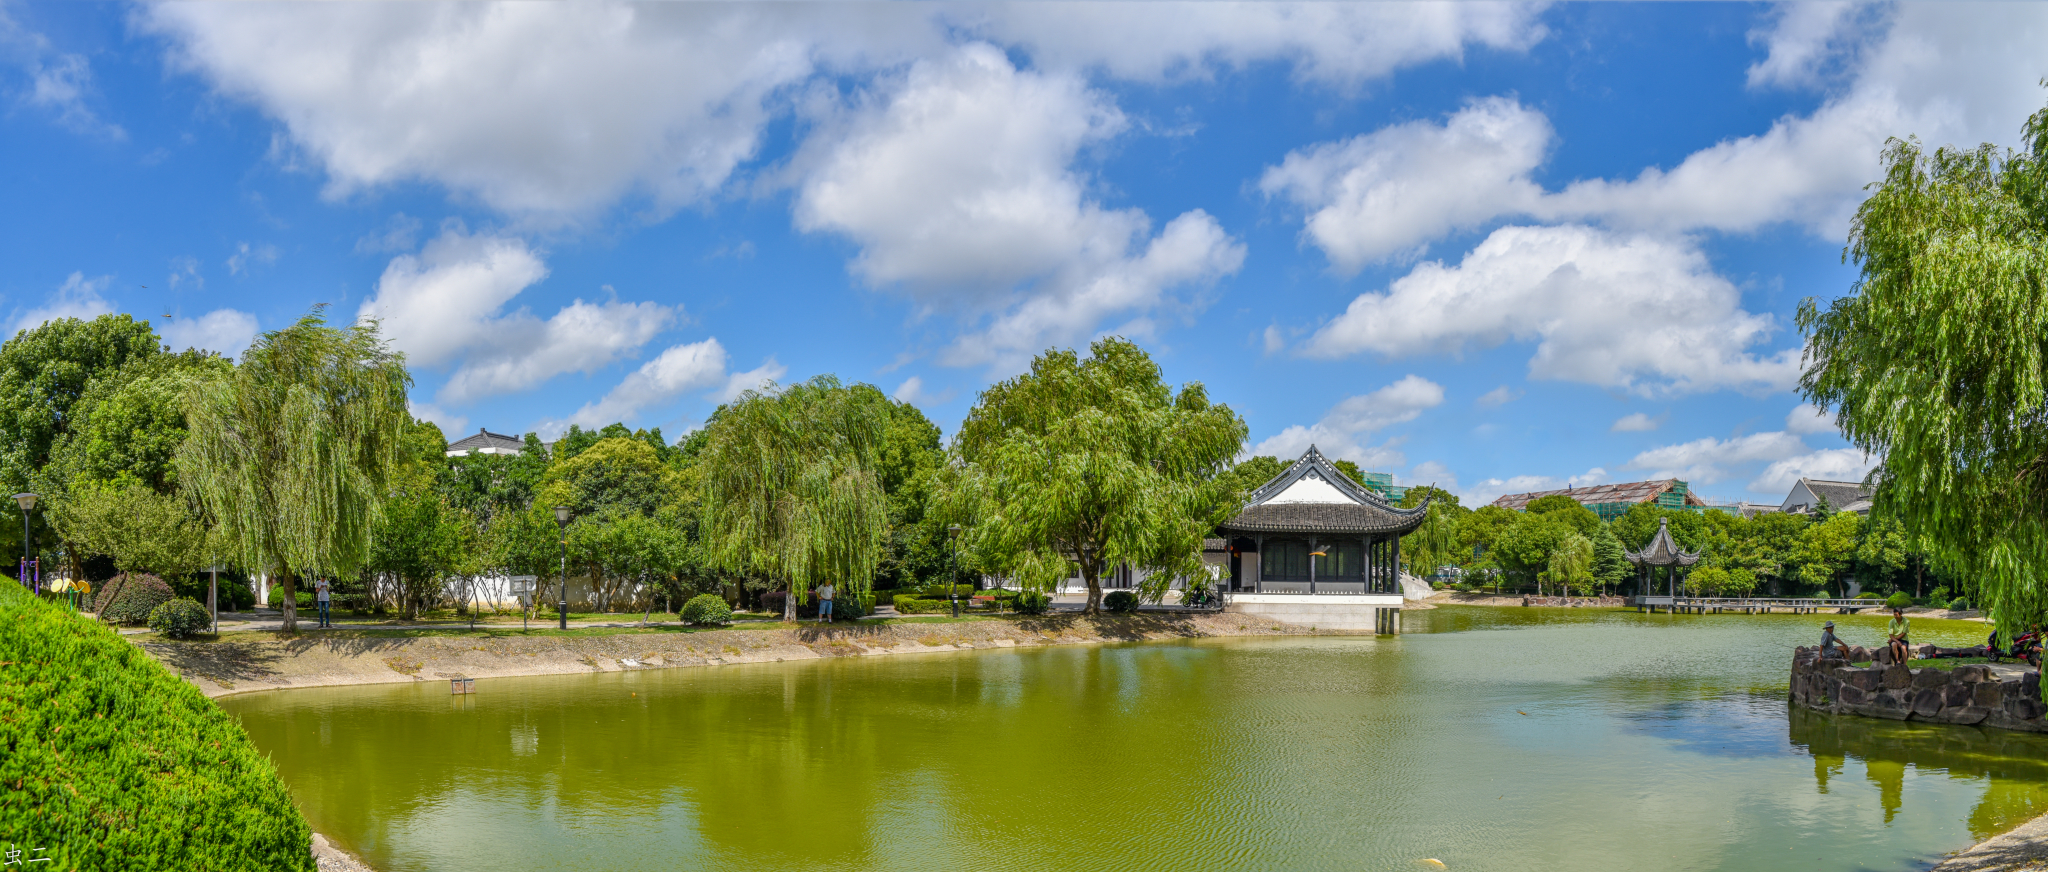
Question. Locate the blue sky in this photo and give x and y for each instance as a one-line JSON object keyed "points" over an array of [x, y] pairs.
{"points": [[1497, 247]]}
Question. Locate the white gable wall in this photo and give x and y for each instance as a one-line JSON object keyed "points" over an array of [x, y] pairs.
{"points": [[1311, 489]]}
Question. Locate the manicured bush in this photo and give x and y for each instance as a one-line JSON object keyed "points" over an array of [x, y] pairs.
{"points": [[1031, 602], [910, 605], [302, 596], [1959, 604], [1898, 600], [1120, 601], [1870, 595], [938, 591], [179, 618], [130, 597], [706, 610], [113, 763]]}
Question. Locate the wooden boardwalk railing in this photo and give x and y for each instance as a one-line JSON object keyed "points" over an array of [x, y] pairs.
{"points": [[1701, 605]]}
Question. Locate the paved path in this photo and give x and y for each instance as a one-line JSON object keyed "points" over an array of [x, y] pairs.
{"points": [[2021, 849]]}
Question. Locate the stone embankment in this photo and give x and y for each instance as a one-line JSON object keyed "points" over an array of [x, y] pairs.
{"points": [[2005, 696], [241, 662]]}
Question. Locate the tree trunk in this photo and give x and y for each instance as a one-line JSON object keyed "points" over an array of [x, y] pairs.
{"points": [[789, 603], [288, 598], [1916, 578]]}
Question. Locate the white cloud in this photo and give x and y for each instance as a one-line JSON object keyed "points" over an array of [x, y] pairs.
{"points": [[1707, 460], [1634, 423], [1805, 39], [1947, 73], [1342, 44], [1830, 464], [246, 254], [1499, 396], [79, 297], [445, 304], [59, 81], [958, 187], [1387, 194], [1635, 312], [1807, 418], [227, 331], [758, 378], [186, 269], [676, 371], [1338, 433], [452, 426], [558, 110], [549, 110], [444, 301]]}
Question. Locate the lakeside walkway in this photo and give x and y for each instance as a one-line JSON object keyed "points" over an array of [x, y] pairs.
{"points": [[2024, 848]]}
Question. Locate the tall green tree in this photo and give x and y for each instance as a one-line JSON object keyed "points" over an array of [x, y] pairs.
{"points": [[1937, 361], [791, 487], [1826, 548], [1571, 564], [1610, 562], [45, 372], [1096, 463], [293, 452]]}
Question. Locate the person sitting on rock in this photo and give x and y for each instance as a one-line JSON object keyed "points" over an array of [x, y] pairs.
{"points": [[1830, 644], [1895, 635]]}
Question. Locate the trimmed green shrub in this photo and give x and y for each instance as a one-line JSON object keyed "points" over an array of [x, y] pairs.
{"points": [[130, 597], [1031, 602], [1870, 595], [1122, 601], [302, 596], [114, 763], [1959, 604], [1899, 600], [938, 591], [179, 618], [706, 610], [910, 605]]}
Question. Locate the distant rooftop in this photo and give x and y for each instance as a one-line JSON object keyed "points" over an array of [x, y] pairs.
{"points": [[1611, 501], [486, 442]]}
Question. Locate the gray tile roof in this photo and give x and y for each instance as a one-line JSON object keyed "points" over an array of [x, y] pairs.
{"points": [[1840, 494], [487, 439], [1663, 550], [1323, 518]]}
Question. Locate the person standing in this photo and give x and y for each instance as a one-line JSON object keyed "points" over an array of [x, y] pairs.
{"points": [[320, 596], [825, 603]]}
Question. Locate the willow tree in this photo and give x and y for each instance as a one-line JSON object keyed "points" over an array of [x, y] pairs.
{"points": [[1096, 464], [791, 491], [293, 452], [1937, 361]]}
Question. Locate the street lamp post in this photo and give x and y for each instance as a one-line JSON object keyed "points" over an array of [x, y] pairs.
{"points": [[213, 595], [562, 605], [953, 557], [28, 542]]}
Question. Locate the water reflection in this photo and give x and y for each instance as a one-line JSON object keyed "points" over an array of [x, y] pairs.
{"points": [[2012, 766], [1490, 738]]}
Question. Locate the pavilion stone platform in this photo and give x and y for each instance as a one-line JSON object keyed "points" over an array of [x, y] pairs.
{"points": [[1314, 548]]}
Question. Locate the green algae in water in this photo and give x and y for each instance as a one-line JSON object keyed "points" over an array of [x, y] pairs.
{"points": [[1492, 739]]}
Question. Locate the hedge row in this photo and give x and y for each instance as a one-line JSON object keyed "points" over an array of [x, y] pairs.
{"points": [[110, 762]]}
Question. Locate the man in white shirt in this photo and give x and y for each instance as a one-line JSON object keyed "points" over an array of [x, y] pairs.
{"points": [[825, 603], [320, 596]]}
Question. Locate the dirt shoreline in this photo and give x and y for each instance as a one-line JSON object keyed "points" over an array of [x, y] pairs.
{"points": [[330, 659]]}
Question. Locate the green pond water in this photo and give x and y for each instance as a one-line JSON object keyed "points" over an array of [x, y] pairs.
{"points": [[1490, 739]]}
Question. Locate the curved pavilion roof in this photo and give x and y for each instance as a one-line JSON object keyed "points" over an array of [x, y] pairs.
{"points": [[1663, 550], [1312, 496]]}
